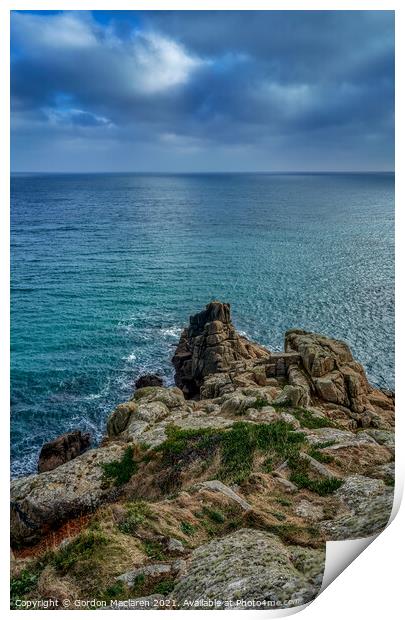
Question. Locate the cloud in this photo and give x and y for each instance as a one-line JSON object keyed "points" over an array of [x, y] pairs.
{"points": [[190, 87]]}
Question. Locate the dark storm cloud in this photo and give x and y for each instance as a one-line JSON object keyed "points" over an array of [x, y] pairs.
{"points": [[203, 90]]}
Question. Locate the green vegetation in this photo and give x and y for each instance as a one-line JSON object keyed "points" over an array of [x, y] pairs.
{"points": [[237, 447], [154, 549], [389, 481], [120, 472], [80, 550], [144, 586], [277, 441], [283, 502], [115, 591], [300, 476], [19, 586], [187, 528], [260, 403], [308, 420], [320, 456], [214, 514], [280, 516], [138, 587], [164, 587], [137, 513]]}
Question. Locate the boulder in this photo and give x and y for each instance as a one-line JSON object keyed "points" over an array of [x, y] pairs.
{"points": [[250, 567], [220, 487], [210, 345], [148, 380], [63, 449], [119, 418], [335, 375], [366, 508], [42, 502]]}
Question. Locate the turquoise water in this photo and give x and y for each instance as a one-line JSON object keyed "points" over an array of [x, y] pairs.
{"points": [[107, 268]]}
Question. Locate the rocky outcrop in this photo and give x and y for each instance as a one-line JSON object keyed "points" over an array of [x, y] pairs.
{"points": [[210, 345], [42, 502], [365, 508], [335, 375], [252, 567], [148, 380], [296, 443], [63, 449]]}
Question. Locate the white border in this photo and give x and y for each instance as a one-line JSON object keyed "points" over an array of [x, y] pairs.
{"points": [[346, 595]]}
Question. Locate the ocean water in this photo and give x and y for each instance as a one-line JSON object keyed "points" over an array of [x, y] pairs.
{"points": [[106, 270]]}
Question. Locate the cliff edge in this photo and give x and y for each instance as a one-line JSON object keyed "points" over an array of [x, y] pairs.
{"points": [[252, 452]]}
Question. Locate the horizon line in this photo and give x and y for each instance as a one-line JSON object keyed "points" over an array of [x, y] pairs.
{"points": [[171, 172]]}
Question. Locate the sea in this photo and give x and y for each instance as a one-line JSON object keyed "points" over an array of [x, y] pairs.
{"points": [[107, 268]]}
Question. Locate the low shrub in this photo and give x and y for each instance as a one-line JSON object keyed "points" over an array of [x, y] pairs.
{"points": [[120, 472]]}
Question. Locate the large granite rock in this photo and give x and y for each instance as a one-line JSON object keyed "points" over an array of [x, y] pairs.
{"points": [[210, 345], [367, 505], [335, 375], [63, 449], [42, 502], [148, 380], [251, 566]]}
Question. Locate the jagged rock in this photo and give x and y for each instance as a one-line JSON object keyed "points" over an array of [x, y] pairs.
{"points": [[310, 511], [148, 380], [42, 502], [175, 546], [151, 571], [337, 437], [237, 404], [293, 396], [220, 487], [216, 385], [317, 467], [367, 505], [336, 376], [171, 397], [119, 418], [253, 566], [63, 449], [208, 346]]}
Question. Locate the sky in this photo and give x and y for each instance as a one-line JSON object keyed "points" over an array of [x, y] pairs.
{"points": [[202, 91]]}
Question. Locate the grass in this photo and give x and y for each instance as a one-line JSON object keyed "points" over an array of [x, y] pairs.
{"points": [[154, 549], [144, 586], [237, 447], [300, 476], [138, 587], [81, 549], [23, 584], [320, 456], [308, 420], [240, 444], [137, 513], [260, 403], [120, 472], [115, 591], [280, 516], [214, 514], [187, 528], [283, 502], [165, 587], [181, 448]]}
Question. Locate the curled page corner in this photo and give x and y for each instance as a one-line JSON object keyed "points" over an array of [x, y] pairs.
{"points": [[341, 553]]}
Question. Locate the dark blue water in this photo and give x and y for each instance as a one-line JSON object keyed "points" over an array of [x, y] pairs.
{"points": [[107, 268]]}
